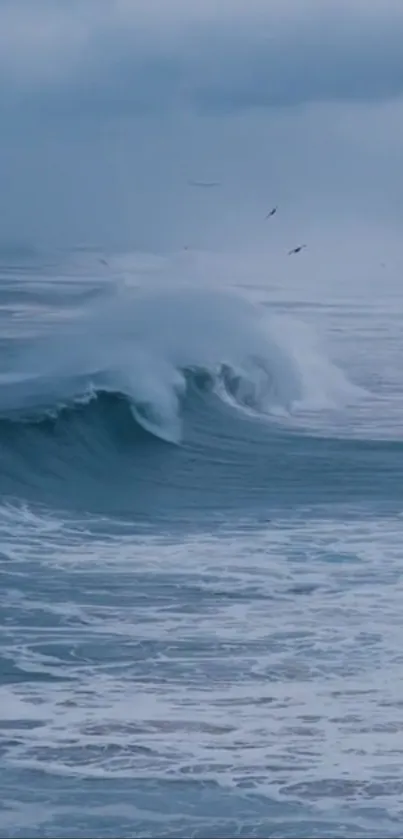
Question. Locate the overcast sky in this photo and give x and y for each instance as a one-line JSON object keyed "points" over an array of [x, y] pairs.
{"points": [[109, 107]]}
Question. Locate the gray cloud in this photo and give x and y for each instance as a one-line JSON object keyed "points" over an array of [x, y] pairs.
{"points": [[109, 108], [124, 57]]}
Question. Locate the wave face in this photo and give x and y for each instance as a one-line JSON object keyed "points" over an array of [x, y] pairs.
{"points": [[145, 347], [151, 402]]}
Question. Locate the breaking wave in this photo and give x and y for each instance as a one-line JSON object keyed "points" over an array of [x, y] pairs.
{"points": [[154, 349]]}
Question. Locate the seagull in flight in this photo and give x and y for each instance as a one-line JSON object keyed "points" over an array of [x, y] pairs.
{"points": [[296, 250], [204, 184], [272, 212]]}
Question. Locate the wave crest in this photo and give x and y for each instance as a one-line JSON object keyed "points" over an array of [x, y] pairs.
{"points": [[151, 348]]}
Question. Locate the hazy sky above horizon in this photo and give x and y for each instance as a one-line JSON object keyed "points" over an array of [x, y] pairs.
{"points": [[109, 107]]}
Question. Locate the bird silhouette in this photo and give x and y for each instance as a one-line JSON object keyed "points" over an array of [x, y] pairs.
{"points": [[204, 184], [296, 250], [272, 212]]}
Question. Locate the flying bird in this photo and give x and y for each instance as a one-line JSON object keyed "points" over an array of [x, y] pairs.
{"points": [[296, 250], [272, 212], [204, 184]]}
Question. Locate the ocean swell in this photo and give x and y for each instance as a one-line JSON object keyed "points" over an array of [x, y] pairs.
{"points": [[150, 349], [178, 404]]}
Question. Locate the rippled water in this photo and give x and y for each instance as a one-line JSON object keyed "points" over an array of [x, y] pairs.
{"points": [[201, 638]]}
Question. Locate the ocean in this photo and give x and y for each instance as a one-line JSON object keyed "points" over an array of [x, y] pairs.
{"points": [[201, 563]]}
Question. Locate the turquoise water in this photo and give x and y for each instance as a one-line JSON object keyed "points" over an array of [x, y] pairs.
{"points": [[201, 529]]}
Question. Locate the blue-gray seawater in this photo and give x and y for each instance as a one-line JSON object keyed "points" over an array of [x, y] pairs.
{"points": [[201, 550]]}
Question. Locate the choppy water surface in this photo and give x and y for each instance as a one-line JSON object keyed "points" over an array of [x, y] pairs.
{"points": [[201, 531]]}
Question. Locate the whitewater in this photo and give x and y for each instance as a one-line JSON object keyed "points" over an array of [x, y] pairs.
{"points": [[200, 523]]}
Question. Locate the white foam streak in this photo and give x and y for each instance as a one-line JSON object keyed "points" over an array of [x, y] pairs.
{"points": [[272, 685]]}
